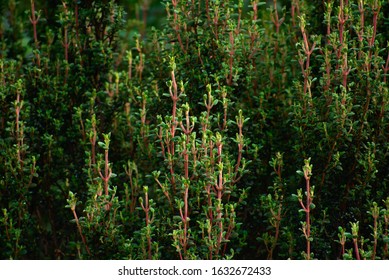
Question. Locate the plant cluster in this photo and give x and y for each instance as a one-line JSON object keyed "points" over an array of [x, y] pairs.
{"points": [[194, 129]]}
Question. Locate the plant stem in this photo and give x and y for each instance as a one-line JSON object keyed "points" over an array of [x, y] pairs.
{"points": [[34, 21], [80, 230], [308, 220]]}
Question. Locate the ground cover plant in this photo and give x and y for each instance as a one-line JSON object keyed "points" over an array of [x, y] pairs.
{"points": [[207, 129]]}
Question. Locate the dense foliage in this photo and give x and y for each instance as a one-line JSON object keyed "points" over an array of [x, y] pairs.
{"points": [[194, 129]]}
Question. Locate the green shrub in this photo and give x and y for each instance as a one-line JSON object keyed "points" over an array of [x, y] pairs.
{"points": [[177, 129]]}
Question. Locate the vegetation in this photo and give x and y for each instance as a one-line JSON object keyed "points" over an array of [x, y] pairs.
{"points": [[194, 129]]}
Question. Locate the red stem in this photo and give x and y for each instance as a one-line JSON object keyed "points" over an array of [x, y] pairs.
{"points": [[362, 15], [18, 133], [356, 249], [146, 209], [34, 21], [231, 60], [375, 237], [80, 232], [308, 220]]}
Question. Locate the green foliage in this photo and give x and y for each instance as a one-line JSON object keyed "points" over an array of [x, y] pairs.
{"points": [[174, 129]]}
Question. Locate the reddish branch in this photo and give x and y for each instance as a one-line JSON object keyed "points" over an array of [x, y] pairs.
{"points": [[146, 208], [362, 20], [107, 172], [355, 240], [308, 50], [65, 42], [307, 208], [231, 60], [73, 208], [342, 18], [19, 132], [176, 25], [219, 189], [34, 21]]}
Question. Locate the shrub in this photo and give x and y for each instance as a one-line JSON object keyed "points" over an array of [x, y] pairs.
{"points": [[124, 135]]}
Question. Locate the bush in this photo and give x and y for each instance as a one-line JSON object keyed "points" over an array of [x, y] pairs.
{"points": [[226, 129]]}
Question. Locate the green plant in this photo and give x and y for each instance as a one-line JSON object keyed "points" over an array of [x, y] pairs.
{"points": [[172, 129], [307, 206]]}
